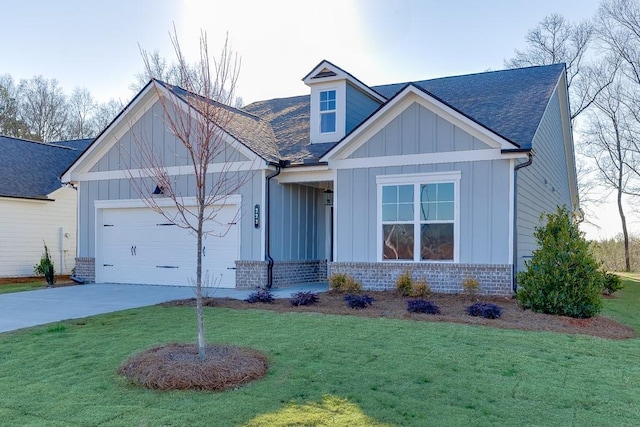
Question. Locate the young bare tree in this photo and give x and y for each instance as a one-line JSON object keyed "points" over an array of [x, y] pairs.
{"points": [[199, 123]]}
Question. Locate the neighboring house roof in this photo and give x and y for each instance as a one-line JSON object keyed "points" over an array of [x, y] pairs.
{"points": [[31, 170], [510, 103]]}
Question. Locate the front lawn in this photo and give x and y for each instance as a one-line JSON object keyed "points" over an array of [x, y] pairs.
{"points": [[385, 371], [21, 284]]}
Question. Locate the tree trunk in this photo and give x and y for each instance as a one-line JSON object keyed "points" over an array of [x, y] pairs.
{"points": [[625, 234], [201, 342]]}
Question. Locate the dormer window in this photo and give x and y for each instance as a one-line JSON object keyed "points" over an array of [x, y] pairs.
{"points": [[328, 111]]}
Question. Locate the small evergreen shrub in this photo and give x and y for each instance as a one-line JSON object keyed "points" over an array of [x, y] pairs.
{"points": [[471, 287], [304, 298], [404, 284], [262, 295], [612, 283], [358, 301], [343, 283], [45, 267], [420, 289], [562, 277], [422, 306], [484, 309]]}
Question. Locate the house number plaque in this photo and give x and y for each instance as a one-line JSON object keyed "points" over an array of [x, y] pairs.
{"points": [[256, 216]]}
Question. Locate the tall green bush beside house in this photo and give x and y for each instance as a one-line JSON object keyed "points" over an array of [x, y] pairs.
{"points": [[562, 277]]}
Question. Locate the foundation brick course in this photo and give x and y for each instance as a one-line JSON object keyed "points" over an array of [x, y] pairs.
{"points": [[86, 269], [445, 278], [252, 274]]}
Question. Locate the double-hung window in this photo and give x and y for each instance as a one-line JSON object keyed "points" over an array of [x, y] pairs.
{"points": [[327, 111], [418, 216]]}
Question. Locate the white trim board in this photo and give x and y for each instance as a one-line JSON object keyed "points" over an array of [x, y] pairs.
{"points": [[171, 171], [424, 159]]}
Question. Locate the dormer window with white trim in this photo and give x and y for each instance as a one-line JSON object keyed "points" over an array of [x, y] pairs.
{"points": [[327, 111]]}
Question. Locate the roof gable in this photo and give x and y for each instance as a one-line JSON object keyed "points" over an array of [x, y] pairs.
{"points": [[325, 71], [250, 129], [509, 102], [400, 102]]}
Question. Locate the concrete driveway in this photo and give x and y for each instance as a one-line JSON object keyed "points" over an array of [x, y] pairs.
{"points": [[24, 309]]}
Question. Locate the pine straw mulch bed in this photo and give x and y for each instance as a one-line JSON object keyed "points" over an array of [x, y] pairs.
{"points": [[177, 367], [389, 304]]}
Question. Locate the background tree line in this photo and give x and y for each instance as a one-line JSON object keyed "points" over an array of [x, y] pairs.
{"points": [[38, 109], [602, 56]]}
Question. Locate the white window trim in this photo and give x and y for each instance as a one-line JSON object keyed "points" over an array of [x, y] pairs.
{"points": [[341, 108], [323, 112], [415, 180]]}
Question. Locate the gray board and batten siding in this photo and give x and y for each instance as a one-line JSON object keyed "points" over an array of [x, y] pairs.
{"points": [[484, 189], [359, 107], [544, 185], [298, 222], [151, 129]]}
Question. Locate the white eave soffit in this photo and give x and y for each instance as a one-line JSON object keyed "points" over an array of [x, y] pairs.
{"points": [[396, 106]]}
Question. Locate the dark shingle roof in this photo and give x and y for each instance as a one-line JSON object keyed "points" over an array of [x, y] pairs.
{"points": [[31, 169], [510, 103], [253, 131]]}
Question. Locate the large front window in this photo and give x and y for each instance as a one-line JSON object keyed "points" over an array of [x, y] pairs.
{"points": [[418, 217], [328, 111]]}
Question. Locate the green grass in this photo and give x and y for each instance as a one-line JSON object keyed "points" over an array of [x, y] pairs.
{"points": [[625, 307], [21, 287], [375, 371]]}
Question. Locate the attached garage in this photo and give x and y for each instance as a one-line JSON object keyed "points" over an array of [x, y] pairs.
{"points": [[134, 244]]}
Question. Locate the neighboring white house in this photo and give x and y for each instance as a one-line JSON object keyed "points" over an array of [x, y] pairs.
{"points": [[35, 208], [445, 178]]}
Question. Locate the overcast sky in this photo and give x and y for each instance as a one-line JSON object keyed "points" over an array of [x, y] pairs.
{"points": [[95, 44]]}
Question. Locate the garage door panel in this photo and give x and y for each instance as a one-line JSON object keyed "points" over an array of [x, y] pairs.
{"points": [[139, 246]]}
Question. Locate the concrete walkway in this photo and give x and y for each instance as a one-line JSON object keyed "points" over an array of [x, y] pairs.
{"points": [[24, 309]]}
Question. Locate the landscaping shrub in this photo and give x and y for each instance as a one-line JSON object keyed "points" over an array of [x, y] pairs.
{"points": [[612, 283], [404, 284], [420, 289], [261, 295], [422, 306], [343, 283], [358, 301], [484, 309], [45, 267], [562, 277], [471, 287], [304, 298]]}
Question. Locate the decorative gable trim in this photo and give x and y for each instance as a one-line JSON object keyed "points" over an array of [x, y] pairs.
{"points": [[325, 71], [399, 103]]}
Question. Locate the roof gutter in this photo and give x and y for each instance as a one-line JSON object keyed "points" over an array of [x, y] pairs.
{"points": [[267, 239], [514, 284]]}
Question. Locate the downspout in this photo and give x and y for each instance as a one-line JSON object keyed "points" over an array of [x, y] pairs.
{"points": [[268, 224], [514, 285]]}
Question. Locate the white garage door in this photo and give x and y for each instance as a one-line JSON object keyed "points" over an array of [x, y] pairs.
{"points": [[137, 245]]}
